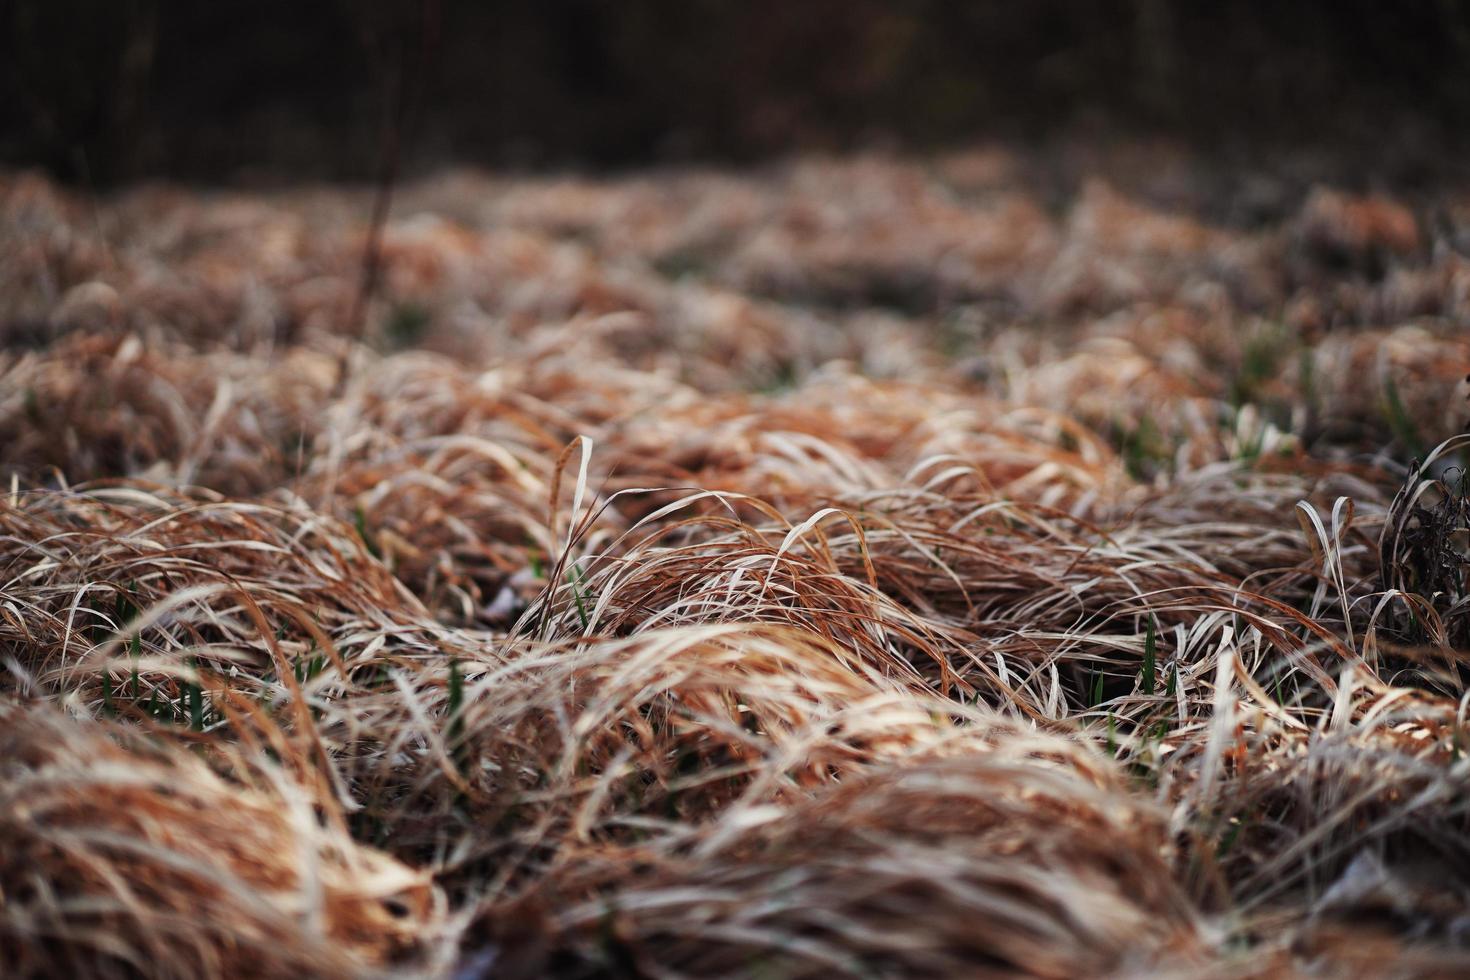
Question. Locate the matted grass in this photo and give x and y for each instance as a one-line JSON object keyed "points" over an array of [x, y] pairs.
{"points": [[860, 567]]}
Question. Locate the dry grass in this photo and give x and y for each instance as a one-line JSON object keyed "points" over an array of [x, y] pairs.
{"points": [[856, 568]]}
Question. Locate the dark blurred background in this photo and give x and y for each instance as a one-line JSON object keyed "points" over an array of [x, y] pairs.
{"points": [[116, 90]]}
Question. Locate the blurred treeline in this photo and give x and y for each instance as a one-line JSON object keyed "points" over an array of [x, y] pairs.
{"points": [[121, 89]]}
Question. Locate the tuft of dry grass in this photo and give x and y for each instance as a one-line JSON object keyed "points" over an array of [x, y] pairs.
{"points": [[124, 854], [858, 567]]}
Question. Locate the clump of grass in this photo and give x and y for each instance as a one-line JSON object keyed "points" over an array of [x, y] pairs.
{"points": [[1424, 559], [152, 859]]}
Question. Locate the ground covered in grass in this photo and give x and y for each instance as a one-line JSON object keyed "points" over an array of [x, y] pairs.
{"points": [[979, 565]]}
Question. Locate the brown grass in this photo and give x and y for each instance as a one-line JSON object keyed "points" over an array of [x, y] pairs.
{"points": [[854, 568]]}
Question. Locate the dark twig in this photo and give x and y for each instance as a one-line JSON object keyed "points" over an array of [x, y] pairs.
{"points": [[401, 114]]}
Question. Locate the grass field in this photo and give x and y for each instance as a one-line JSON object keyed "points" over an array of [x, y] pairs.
{"points": [[979, 565]]}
